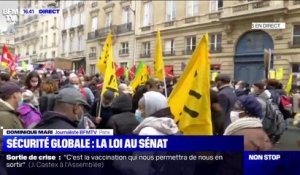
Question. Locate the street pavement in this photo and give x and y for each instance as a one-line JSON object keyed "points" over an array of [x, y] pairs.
{"points": [[290, 140]]}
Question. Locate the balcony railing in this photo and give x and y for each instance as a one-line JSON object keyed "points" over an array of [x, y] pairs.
{"points": [[30, 35], [145, 55], [124, 28], [92, 55], [190, 19], [100, 33], [169, 23], [216, 50], [187, 52], [146, 28], [31, 18], [123, 52], [169, 53], [214, 15], [296, 2]]}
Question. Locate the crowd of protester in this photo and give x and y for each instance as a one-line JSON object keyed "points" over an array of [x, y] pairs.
{"points": [[64, 100]]}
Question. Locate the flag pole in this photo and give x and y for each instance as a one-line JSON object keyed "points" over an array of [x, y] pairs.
{"points": [[99, 107], [165, 84]]}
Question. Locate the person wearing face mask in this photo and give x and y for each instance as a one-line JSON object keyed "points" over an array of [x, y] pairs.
{"points": [[123, 121], [154, 116], [68, 111], [33, 83], [246, 106], [241, 89]]}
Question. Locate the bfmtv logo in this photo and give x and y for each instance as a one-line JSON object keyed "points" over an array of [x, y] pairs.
{"points": [[11, 15]]}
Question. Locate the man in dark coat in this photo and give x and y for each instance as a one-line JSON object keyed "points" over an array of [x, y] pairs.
{"points": [[68, 110], [123, 121], [226, 96]]}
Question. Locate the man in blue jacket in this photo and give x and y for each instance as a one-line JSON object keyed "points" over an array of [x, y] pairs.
{"points": [[226, 96]]}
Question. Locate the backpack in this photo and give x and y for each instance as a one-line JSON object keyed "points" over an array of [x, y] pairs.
{"points": [[273, 122], [284, 103]]}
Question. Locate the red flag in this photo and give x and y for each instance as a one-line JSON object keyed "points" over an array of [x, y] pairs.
{"points": [[120, 72], [8, 60], [81, 70], [169, 71], [132, 72]]}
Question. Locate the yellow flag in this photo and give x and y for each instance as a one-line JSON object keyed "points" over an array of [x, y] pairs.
{"points": [[279, 74], [272, 74], [110, 78], [106, 54], [289, 85], [141, 78], [190, 100], [158, 62], [214, 76]]}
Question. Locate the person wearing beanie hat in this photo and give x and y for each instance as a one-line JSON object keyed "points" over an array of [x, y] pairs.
{"points": [[255, 138], [29, 114], [246, 106]]}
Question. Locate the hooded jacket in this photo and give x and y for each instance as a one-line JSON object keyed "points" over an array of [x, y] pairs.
{"points": [[157, 126], [158, 119], [55, 120], [30, 116], [123, 121]]}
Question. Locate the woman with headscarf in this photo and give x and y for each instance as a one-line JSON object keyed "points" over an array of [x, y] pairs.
{"points": [[154, 116]]}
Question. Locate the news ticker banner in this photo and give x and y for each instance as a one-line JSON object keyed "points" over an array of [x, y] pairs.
{"points": [[103, 141]]}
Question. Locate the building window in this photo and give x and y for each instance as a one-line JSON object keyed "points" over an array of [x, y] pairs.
{"points": [[125, 15], [72, 20], [124, 48], [190, 44], [42, 26], [46, 42], [93, 49], [42, 41], [170, 10], [147, 14], [192, 8], [123, 64], [45, 55], [71, 44], [80, 43], [81, 18], [108, 19], [64, 44], [216, 5], [46, 26], [92, 69], [169, 47], [54, 23], [215, 42], [146, 49], [296, 35], [94, 23], [53, 54], [54, 39]]}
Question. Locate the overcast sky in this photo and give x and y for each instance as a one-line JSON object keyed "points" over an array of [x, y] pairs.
{"points": [[4, 5]]}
